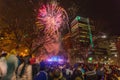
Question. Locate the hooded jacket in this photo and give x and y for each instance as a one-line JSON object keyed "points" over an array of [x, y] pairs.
{"points": [[3, 67], [12, 63], [27, 75]]}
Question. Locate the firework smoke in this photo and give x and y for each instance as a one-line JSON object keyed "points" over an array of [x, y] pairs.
{"points": [[54, 18]]}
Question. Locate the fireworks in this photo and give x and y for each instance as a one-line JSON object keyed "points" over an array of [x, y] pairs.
{"points": [[53, 18]]}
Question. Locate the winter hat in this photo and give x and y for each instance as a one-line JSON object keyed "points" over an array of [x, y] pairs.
{"points": [[3, 53]]}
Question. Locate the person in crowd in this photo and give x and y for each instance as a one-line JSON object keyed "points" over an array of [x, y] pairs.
{"points": [[42, 75], [24, 71], [50, 73], [57, 74], [68, 72], [77, 74], [20, 59], [100, 72], [108, 72], [3, 57], [3, 65], [91, 73], [113, 73], [12, 63], [35, 68], [80, 67]]}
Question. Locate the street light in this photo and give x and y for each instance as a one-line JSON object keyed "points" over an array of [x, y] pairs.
{"points": [[90, 58], [105, 57], [103, 36], [115, 55], [26, 50], [109, 58]]}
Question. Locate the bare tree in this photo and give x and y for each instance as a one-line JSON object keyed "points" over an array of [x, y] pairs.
{"points": [[18, 19]]}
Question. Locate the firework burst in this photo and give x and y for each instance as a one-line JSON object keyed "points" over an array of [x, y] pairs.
{"points": [[53, 17]]}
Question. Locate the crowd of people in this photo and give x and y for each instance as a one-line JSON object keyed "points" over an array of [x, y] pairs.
{"points": [[14, 67]]}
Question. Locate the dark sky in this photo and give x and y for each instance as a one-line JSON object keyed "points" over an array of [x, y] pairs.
{"points": [[109, 12], [105, 12]]}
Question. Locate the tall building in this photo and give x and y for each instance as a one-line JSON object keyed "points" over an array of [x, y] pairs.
{"points": [[81, 34]]}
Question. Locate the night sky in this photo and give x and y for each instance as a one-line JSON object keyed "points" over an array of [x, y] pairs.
{"points": [[109, 12], [105, 12]]}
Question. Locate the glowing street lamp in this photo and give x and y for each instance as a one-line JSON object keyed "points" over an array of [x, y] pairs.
{"points": [[105, 57], [103, 36], [90, 58], [116, 55], [26, 50], [109, 58], [78, 18]]}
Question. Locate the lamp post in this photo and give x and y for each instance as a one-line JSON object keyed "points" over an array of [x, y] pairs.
{"points": [[104, 36]]}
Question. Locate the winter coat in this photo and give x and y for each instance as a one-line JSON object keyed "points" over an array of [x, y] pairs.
{"points": [[42, 75], [3, 67], [100, 74], [35, 70], [77, 75], [91, 75], [27, 75], [12, 63]]}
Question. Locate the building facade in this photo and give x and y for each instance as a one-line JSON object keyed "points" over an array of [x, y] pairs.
{"points": [[81, 33]]}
